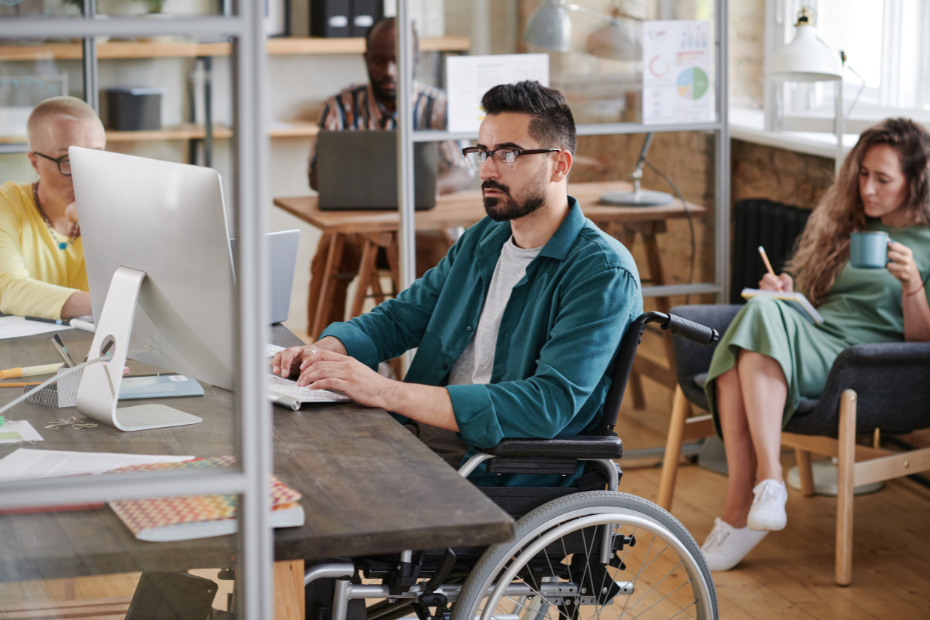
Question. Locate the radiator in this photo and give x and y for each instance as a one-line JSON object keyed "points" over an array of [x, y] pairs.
{"points": [[772, 225]]}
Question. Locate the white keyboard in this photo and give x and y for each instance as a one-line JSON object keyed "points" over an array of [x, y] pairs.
{"points": [[280, 385]]}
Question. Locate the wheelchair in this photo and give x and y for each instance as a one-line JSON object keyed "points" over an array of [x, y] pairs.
{"points": [[579, 553]]}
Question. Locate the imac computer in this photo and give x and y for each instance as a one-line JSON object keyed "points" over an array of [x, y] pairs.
{"points": [[160, 269]]}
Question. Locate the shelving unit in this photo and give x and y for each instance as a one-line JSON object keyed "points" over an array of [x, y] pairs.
{"points": [[189, 131], [282, 46]]}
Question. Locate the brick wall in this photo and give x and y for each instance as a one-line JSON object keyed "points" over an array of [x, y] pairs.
{"points": [[760, 171], [687, 158]]}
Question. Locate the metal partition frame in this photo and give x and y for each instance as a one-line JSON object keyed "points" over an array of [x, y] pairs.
{"points": [[721, 285], [253, 415]]}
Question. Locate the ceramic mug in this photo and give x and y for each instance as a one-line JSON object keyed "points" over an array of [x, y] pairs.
{"points": [[869, 250]]}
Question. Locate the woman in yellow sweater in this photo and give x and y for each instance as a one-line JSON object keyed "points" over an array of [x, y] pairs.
{"points": [[41, 256]]}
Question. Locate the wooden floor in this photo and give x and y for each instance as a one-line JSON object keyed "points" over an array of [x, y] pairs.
{"points": [[789, 575]]}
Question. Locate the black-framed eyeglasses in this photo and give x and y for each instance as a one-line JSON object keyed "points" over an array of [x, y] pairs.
{"points": [[63, 163], [505, 158]]}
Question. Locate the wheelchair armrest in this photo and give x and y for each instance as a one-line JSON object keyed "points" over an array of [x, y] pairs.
{"points": [[577, 447], [691, 358]]}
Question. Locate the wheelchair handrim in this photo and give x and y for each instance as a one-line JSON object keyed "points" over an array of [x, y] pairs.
{"points": [[606, 516]]}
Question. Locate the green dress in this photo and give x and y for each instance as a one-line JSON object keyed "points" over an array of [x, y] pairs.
{"points": [[862, 306]]}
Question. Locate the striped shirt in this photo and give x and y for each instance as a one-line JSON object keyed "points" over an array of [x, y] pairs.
{"points": [[357, 108]]}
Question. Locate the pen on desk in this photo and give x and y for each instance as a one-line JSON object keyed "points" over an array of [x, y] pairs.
{"points": [[765, 259], [28, 371], [3, 385], [65, 322]]}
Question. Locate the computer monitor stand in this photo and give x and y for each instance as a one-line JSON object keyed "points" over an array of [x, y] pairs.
{"points": [[99, 390]]}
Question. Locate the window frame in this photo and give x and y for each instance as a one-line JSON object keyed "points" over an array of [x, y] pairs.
{"points": [[875, 103]]}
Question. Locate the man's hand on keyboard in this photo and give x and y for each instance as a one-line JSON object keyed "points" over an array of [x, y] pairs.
{"points": [[328, 370], [325, 365], [288, 361]]}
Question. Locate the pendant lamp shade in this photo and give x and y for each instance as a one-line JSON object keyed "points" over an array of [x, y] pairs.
{"points": [[550, 27], [805, 59], [617, 41]]}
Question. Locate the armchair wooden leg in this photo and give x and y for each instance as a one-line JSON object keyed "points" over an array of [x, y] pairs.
{"points": [[805, 472], [636, 390], [676, 429], [846, 481]]}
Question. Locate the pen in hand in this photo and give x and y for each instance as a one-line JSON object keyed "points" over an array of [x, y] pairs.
{"points": [[768, 265], [765, 259]]}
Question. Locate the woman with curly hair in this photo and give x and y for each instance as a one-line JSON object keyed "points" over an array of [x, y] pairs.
{"points": [[771, 357]]}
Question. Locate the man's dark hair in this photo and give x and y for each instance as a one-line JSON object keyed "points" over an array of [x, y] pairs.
{"points": [[377, 24], [552, 124]]}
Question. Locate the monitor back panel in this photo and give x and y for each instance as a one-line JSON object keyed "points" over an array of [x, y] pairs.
{"points": [[357, 170], [167, 220]]}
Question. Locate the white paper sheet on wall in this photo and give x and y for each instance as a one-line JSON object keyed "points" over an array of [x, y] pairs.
{"points": [[676, 72], [470, 77]]}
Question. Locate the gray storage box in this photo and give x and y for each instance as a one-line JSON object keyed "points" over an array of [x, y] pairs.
{"points": [[134, 109]]}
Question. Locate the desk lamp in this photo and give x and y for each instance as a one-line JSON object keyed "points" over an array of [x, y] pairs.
{"points": [[809, 59], [551, 27]]}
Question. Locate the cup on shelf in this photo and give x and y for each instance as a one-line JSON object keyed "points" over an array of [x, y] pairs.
{"points": [[869, 250]]}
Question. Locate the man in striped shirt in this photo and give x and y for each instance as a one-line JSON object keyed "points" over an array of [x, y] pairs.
{"points": [[374, 106]]}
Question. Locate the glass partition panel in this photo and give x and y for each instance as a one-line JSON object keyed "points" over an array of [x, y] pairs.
{"points": [[31, 70], [652, 161], [170, 99], [598, 62], [162, 8], [71, 539], [84, 560], [40, 8]]}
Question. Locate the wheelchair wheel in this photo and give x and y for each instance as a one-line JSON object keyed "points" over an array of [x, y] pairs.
{"points": [[556, 570]]}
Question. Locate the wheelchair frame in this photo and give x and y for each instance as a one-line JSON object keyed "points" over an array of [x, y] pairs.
{"points": [[520, 454]]}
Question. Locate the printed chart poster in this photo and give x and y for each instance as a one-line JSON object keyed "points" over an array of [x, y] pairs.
{"points": [[470, 77], [676, 86]]}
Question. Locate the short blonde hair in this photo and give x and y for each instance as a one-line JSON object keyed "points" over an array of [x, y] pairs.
{"points": [[70, 108]]}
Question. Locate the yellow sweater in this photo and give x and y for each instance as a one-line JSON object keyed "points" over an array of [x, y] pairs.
{"points": [[36, 277]]}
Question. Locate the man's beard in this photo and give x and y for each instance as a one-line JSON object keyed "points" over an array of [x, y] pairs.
{"points": [[505, 208], [380, 92]]}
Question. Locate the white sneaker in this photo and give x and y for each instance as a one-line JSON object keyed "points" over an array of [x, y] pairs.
{"points": [[768, 508], [726, 546]]}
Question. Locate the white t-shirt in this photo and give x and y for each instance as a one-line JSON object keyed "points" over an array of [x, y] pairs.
{"points": [[476, 362]]}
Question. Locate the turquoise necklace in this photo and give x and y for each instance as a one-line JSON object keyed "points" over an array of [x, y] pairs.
{"points": [[61, 245]]}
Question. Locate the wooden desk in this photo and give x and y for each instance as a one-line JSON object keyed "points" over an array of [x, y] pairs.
{"points": [[380, 228], [368, 487]]}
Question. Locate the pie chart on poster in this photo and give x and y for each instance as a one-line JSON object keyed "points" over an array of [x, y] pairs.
{"points": [[692, 83]]}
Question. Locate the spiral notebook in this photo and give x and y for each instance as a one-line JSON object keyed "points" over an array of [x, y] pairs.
{"points": [[796, 300]]}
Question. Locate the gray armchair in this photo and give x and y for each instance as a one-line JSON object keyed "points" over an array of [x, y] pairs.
{"points": [[871, 386]]}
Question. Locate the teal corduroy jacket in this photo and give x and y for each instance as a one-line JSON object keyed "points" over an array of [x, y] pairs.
{"points": [[555, 348]]}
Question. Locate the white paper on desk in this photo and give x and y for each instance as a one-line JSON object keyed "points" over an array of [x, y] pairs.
{"points": [[17, 327], [272, 349], [16, 431], [25, 464]]}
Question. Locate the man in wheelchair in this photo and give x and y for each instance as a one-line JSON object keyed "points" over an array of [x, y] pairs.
{"points": [[517, 333]]}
